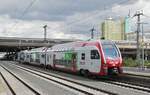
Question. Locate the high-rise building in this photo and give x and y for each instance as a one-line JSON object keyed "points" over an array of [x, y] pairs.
{"points": [[114, 29], [127, 24]]}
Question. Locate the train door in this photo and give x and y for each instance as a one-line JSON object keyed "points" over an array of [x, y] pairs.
{"points": [[74, 61], [82, 60], [22, 56], [49, 59], [43, 58], [28, 57], [95, 61]]}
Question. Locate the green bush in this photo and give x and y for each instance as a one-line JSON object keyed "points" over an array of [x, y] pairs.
{"points": [[147, 63], [129, 62]]}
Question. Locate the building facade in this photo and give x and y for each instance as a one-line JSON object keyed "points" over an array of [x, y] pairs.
{"points": [[115, 29], [132, 36]]}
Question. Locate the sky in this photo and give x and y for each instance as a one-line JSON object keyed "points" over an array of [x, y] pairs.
{"points": [[66, 19]]}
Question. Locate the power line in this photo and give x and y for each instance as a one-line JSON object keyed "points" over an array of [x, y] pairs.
{"points": [[88, 16], [91, 16], [138, 14], [24, 12], [28, 7]]}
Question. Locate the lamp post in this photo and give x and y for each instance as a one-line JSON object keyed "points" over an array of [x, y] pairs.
{"points": [[45, 40]]}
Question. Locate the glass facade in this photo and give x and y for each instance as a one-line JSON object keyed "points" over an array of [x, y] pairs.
{"points": [[113, 30]]}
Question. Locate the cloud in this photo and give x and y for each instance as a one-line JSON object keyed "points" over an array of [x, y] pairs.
{"points": [[33, 29], [65, 18], [88, 20], [51, 9]]}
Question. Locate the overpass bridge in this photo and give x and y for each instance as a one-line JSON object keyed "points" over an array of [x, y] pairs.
{"points": [[129, 48], [13, 44]]}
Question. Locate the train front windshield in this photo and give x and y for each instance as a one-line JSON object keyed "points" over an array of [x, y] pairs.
{"points": [[110, 50]]}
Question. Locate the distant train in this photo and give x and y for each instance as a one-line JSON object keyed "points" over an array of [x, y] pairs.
{"points": [[98, 57]]}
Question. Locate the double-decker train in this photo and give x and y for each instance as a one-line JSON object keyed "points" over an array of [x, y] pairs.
{"points": [[100, 57]]}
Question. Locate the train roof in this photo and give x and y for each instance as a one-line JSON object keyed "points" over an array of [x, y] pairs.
{"points": [[67, 46], [77, 44], [42, 49]]}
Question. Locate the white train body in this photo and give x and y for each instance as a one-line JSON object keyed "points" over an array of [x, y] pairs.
{"points": [[84, 57]]}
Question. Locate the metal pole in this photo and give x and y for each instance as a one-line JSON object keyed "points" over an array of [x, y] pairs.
{"points": [[45, 34], [138, 14], [92, 33], [138, 43], [142, 47]]}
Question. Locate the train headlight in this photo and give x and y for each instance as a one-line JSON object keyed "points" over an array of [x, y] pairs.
{"points": [[116, 62], [111, 62]]}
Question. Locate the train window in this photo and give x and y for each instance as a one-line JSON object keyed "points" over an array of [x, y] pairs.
{"points": [[28, 56], [37, 55], [95, 54], [42, 55], [83, 56], [110, 50], [48, 58]]}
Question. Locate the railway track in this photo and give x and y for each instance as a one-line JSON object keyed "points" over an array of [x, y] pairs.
{"points": [[110, 81], [20, 80], [126, 84], [10, 88], [141, 81], [136, 75], [85, 89]]}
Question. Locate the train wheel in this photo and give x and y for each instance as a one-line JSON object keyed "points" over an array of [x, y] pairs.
{"points": [[120, 70], [48, 67], [84, 73], [42, 65], [81, 72]]}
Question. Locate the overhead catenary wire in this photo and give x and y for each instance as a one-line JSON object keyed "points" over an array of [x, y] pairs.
{"points": [[89, 16], [23, 13], [70, 23]]}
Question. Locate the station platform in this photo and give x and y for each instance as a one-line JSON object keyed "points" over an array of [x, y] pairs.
{"points": [[137, 71]]}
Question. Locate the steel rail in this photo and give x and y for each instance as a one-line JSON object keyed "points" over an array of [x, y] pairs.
{"points": [[33, 90], [11, 89], [87, 86]]}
